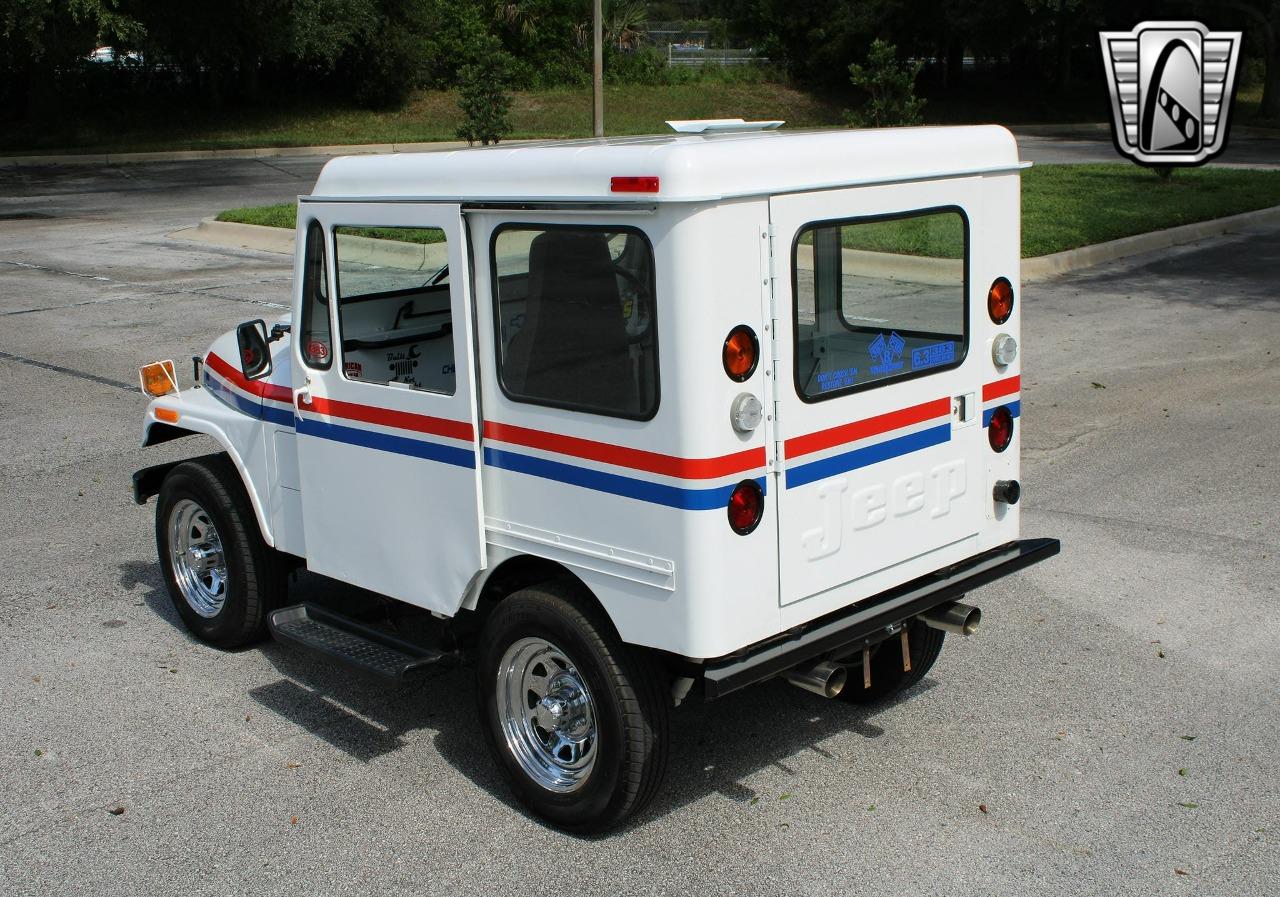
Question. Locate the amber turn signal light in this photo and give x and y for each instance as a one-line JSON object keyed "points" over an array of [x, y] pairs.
{"points": [[1000, 300], [158, 379], [741, 353]]}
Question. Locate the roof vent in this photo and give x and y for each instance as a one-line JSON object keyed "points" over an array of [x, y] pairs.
{"points": [[721, 125]]}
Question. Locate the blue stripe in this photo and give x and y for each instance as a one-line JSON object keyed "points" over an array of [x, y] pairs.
{"points": [[231, 397], [864, 457], [281, 416], [1015, 408], [384, 442], [261, 410], [612, 483]]}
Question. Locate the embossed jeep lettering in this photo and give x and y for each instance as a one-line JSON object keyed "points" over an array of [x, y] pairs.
{"points": [[872, 505]]}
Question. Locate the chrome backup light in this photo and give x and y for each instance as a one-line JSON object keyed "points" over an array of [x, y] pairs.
{"points": [[745, 413], [1004, 350]]}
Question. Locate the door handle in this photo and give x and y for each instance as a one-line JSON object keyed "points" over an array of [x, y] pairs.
{"points": [[303, 396]]}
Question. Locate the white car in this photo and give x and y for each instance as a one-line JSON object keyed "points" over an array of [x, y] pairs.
{"points": [[634, 419]]}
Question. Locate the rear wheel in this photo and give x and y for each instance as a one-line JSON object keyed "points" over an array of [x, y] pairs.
{"points": [[222, 576], [888, 677], [575, 718]]}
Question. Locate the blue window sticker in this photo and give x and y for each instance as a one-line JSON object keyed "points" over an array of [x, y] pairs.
{"points": [[932, 356], [838, 379], [886, 353]]}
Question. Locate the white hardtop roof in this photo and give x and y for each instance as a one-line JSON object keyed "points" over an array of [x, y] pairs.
{"points": [[690, 167]]}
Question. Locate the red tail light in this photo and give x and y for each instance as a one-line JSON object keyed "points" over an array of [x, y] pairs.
{"points": [[1000, 430], [746, 507], [1000, 300], [741, 352]]}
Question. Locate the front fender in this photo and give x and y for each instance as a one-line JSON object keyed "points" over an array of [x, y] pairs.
{"points": [[243, 438]]}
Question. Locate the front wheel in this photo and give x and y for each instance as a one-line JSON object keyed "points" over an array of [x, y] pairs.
{"points": [[576, 719], [222, 576]]}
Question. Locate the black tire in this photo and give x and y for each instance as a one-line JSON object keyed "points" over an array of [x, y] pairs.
{"points": [[887, 675], [626, 689], [256, 575]]}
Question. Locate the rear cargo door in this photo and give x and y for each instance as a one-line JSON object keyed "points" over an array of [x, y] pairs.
{"points": [[879, 438]]}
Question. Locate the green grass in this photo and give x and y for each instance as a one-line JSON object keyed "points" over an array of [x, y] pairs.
{"points": [[1063, 207], [283, 215], [428, 116], [286, 215], [420, 235]]}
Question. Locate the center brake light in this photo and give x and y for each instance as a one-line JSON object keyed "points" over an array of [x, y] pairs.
{"points": [[644, 184]]}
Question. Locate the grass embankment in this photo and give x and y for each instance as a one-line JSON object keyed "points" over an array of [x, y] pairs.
{"points": [[428, 116], [1063, 207]]}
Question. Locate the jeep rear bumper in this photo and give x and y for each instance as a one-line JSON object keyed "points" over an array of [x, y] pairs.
{"points": [[869, 621]]}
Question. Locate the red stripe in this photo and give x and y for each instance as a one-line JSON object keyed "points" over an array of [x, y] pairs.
{"points": [[257, 387], [621, 456], [1006, 387], [404, 420], [861, 429]]}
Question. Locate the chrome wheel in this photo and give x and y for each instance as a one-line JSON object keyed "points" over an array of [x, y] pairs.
{"points": [[546, 715], [199, 565]]}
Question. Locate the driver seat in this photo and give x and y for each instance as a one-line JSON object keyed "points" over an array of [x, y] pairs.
{"points": [[573, 347]]}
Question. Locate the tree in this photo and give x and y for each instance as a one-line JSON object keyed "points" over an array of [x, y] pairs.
{"points": [[37, 37], [1264, 16], [891, 88], [482, 95]]}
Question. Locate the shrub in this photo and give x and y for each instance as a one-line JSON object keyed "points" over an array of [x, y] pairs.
{"points": [[891, 89], [483, 97]]}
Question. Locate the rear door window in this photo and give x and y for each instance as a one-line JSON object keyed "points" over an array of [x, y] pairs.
{"points": [[879, 300], [575, 318]]}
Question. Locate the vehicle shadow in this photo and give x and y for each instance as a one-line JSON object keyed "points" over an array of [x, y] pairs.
{"points": [[156, 596], [716, 748]]}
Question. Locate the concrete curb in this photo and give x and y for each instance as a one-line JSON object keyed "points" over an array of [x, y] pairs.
{"points": [[1104, 129], [238, 236], [356, 149], [266, 152], [280, 240], [1047, 266]]}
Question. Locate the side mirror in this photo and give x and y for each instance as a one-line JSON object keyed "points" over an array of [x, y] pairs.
{"points": [[255, 358]]}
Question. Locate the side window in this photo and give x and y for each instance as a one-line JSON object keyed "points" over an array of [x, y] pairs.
{"points": [[575, 318], [879, 299], [315, 344], [395, 319]]}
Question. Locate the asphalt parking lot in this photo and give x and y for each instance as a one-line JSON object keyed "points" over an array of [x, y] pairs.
{"points": [[1113, 729]]}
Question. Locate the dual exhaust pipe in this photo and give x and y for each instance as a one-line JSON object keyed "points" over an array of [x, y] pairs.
{"points": [[827, 678]]}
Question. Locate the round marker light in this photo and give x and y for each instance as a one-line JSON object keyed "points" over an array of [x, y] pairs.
{"points": [[1000, 430], [746, 507], [741, 353], [1000, 300], [1004, 350], [745, 413]]}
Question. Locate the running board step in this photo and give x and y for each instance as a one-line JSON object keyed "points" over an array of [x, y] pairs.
{"points": [[355, 645]]}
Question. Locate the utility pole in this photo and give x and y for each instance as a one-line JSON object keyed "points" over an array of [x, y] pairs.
{"points": [[597, 75]]}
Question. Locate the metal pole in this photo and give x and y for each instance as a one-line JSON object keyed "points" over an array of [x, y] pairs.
{"points": [[597, 79]]}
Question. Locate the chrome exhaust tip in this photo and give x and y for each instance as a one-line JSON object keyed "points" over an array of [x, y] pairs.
{"points": [[823, 678], [953, 617]]}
